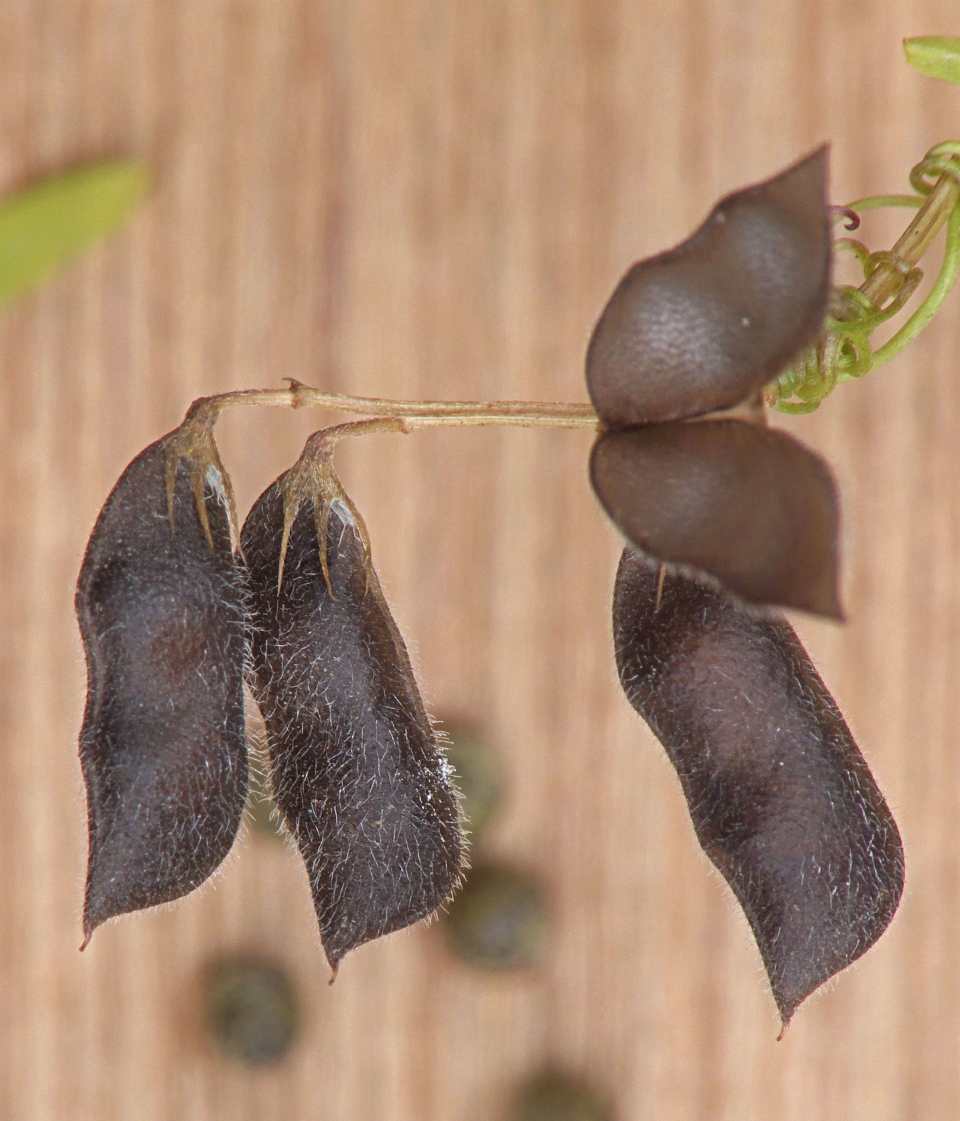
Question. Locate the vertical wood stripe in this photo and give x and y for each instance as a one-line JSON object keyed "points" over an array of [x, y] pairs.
{"points": [[434, 199]]}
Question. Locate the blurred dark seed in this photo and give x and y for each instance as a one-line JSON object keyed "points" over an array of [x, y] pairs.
{"points": [[478, 776], [163, 746], [498, 919], [558, 1097], [355, 768], [707, 324], [252, 1011], [781, 798], [747, 505]]}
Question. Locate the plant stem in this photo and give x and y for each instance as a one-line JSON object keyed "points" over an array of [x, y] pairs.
{"points": [[949, 270], [386, 415], [914, 241], [882, 285], [416, 414], [883, 202]]}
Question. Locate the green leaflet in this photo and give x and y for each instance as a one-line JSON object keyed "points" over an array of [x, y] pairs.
{"points": [[935, 55], [51, 221]]}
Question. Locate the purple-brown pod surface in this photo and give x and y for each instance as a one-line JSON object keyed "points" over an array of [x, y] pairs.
{"points": [[163, 746], [356, 770], [707, 324], [746, 504], [782, 801]]}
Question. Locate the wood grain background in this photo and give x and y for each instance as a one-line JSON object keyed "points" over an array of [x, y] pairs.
{"points": [[427, 198]]}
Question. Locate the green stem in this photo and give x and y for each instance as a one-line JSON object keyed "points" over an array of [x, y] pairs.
{"points": [[879, 202], [949, 269]]}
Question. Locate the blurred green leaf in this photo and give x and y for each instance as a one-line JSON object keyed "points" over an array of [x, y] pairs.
{"points": [[935, 55], [49, 222]]}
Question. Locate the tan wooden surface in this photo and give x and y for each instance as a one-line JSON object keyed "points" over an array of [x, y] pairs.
{"points": [[426, 198]]}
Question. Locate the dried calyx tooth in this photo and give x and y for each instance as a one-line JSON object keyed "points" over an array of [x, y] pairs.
{"points": [[781, 799], [748, 505], [355, 766], [707, 324], [163, 748]]}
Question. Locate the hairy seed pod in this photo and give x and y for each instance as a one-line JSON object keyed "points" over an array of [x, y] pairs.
{"points": [[261, 812], [163, 746], [355, 766], [707, 324], [782, 801], [748, 505]]}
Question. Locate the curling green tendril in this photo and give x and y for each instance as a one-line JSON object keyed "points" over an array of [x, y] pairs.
{"points": [[844, 352]]}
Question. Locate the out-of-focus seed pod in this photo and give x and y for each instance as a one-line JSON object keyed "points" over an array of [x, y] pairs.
{"points": [[748, 505], [252, 1012], [478, 776], [163, 746], [558, 1097], [709, 323], [356, 769], [782, 801], [498, 919]]}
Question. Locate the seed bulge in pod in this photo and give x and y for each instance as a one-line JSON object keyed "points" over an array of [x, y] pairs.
{"points": [[356, 770], [707, 324], [163, 747], [747, 505], [782, 801]]}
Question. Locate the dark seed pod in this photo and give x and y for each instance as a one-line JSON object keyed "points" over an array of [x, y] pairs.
{"points": [[707, 324], [782, 801], [748, 505], [163, 746], [356, 770]]}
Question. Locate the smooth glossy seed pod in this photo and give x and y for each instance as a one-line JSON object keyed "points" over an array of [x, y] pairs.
{"points": [[356, 769], [252, 1011], [163, 746], [747, 505], [558, 1097], [498, 919], [782, 801], [707, 324]]}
